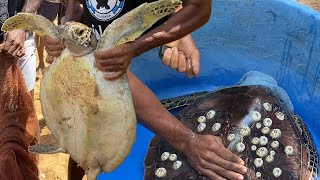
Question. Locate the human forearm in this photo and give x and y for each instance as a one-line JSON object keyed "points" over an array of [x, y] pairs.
{"points": [[192, 16], [31, 6], [155, 117]]}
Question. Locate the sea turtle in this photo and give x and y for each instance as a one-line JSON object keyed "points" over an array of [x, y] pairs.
{"points": [[252, 123], [92, 118]]}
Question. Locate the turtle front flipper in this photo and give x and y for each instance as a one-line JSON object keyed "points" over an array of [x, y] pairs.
{"points": [[31, 22], [46, 149], [131, 25]]}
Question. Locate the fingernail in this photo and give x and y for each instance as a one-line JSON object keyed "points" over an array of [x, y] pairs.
{"points": [[244, 170], [240, 178], [242, 162]]}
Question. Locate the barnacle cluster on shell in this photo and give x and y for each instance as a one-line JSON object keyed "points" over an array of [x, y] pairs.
{"points": [[160, 172], [210, 114], [275, 133], [265, 130], [262, 152], [267, 106], [255, 140], [288, 150], [240, 147], [177, 165], [216, 127], [202, 119], [258, 162], [258, 174], [253, 147], [256, 116], [231, 137], [276, 172], [270, 158], [258, 125], [274, 144], [245, 131], [173, 157], [201, 127], [280, 115], [267, 122], [263, 140], [165, 156]]}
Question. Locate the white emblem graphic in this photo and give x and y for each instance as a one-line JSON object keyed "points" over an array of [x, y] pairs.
{"points": [[105, 10]]}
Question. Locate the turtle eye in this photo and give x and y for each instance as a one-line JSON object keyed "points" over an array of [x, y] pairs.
{"points": [[80, 32]]}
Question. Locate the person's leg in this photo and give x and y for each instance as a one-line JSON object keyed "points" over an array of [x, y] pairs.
{"points": [[40, 49]]}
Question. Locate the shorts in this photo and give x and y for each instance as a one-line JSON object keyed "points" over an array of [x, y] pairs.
{"points": [[27, 64], [50, 10]]}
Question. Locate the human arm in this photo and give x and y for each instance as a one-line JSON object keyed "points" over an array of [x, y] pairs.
{"points": [[193, 15], [205, 153]]}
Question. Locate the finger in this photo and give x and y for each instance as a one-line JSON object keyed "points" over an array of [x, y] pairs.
{"points": [[51, 41], [174, 58], [49, 59], [54, 48], [228, 155], [219, 140], [234, 168], [17, 51], [108, 62], [167, 56], [182, 63], [54, 53], [13, 48], [110, 69], [107, 54], [113, 76], [211, 175], [22, 52], [195, 62], [189, 68], [222, 172]]}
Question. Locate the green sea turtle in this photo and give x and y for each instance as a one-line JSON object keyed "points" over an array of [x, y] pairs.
{"points": [[93, 119], [252, 123]]}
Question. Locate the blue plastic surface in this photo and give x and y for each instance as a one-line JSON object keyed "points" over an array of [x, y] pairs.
{"points": [[278, 37]]}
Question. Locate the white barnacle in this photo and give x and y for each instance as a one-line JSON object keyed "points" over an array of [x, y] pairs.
{"points": [[258, 162], [240, 147], [275, 144], [262, 152], [216, 127], [165, 156], [245, 131], [256, 116], [258, 125], [267, 122], [288, 150], [270, 158], [275, 133], [280, 115], [231, 137], [202, 119], [177, 165], [267, 106], [255, 141], [253, 147], [258, 174], [276, 172], [210, 114], [272, 152], [173, 157], [263, 140], [265, 130], [201, 127], [160, 172]]}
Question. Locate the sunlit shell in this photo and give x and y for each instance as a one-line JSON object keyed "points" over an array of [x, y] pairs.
{"points": [[258, 125], [201, 127], [276, 172], [263, 140], [270, 158], [258, 174], [267, 106], [231, 137], [288, 150], [202, 119], [272, 152], [267, 122], [173, 157], [165, 156], [258, 162], [280, 115], [255, 141], [275, 133], [262, 152], [160, 172], [256, 116], [253, 147], [265, 130], [275, 144], [245, 131], [210, 114], [240, 147], [216, 127], [177, 165]]}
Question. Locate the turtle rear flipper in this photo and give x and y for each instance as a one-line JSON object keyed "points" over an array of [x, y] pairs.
{"points": [[31, 22], [46, 149]]}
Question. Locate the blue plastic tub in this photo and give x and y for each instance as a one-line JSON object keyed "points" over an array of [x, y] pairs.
{"points": [[278, 37]]}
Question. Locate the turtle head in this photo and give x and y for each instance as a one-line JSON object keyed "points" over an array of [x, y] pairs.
{"points": [[78, 38]]}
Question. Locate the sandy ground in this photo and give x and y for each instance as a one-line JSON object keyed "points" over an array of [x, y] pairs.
{"points": [[54, 166]]}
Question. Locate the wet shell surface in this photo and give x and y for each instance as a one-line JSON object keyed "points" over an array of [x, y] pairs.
{"points": [[270, 147]]}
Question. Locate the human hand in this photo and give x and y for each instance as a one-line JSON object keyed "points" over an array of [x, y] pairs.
{"points": [[114, 62], [207, 155], [183, 56], [14, 44], [54, 46]]}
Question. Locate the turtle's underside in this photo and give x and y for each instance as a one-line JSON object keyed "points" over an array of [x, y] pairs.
{"points": [[274, 143]]}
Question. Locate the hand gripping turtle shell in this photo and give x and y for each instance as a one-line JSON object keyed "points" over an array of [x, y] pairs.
{"points": [[93, 119], [252, 123]]}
